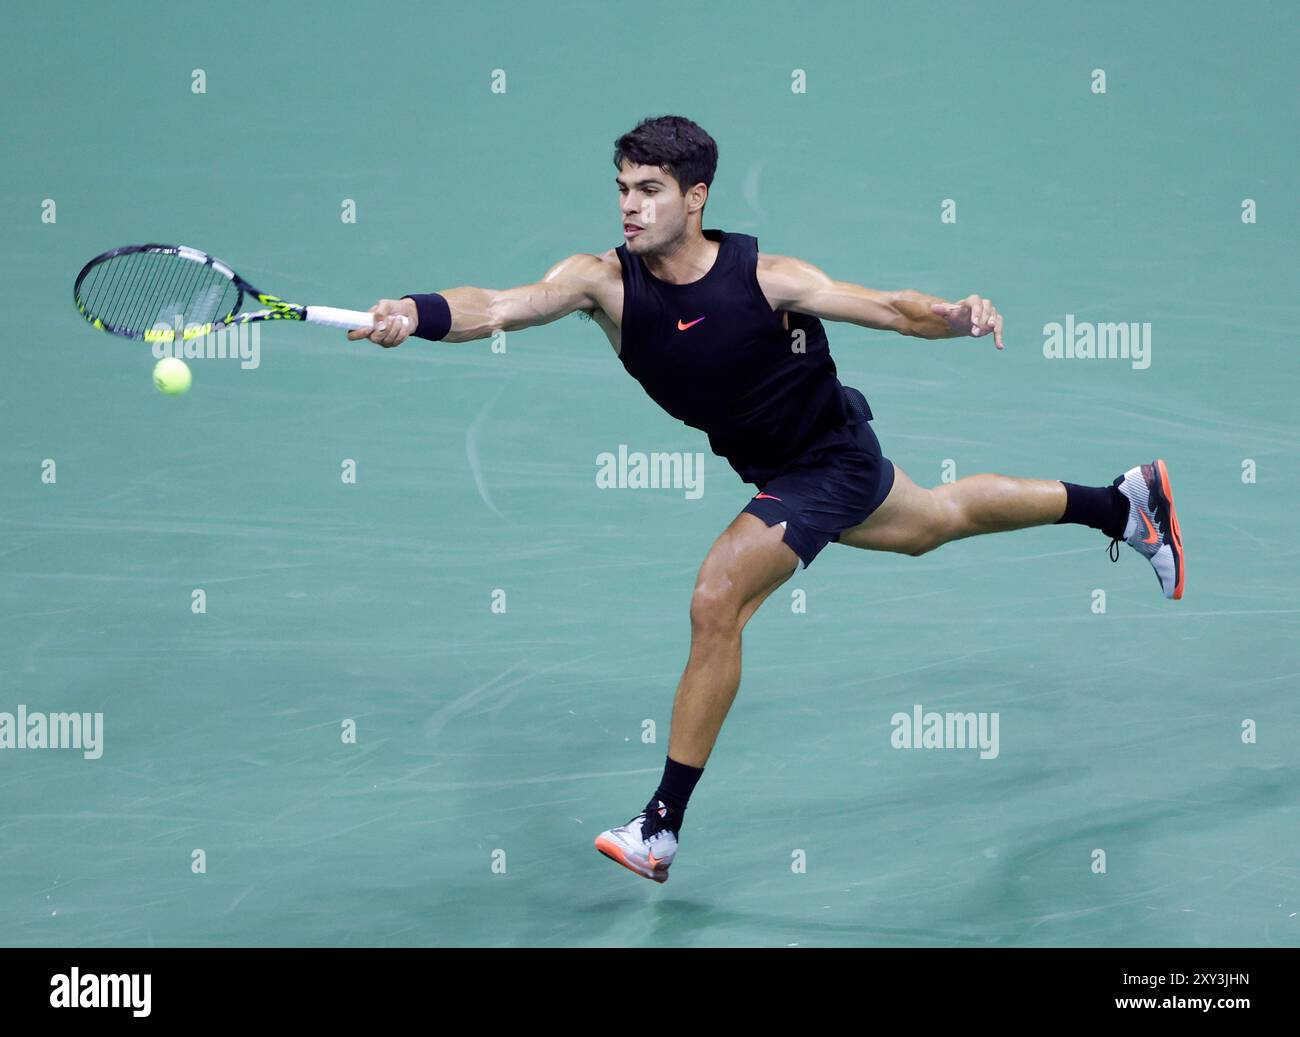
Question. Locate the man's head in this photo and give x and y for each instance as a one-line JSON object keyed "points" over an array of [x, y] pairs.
{"points": [[665, 167]]}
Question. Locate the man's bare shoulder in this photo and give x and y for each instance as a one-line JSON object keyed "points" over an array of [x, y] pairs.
{"points": [[772, 265], [589, 269], [785, 279]]}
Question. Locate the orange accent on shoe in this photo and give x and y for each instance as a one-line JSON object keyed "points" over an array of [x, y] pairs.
{"points": [[1177, 533], [1152, 536], [615, 853]]}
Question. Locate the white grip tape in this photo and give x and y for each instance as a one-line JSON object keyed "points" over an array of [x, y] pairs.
{"points": [[336, 318]]}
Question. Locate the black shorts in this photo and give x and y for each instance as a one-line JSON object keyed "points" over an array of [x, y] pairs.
{"points": [[832, 486]]}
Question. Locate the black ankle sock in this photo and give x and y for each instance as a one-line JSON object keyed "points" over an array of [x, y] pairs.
{"points": [[674, 792], [1101, 507]]}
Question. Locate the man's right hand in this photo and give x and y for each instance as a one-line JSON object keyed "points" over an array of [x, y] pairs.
{"points": [[395, 321]]}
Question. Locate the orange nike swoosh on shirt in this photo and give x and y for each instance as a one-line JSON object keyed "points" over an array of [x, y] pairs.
{"points": [[683, 327], [1154, 537], [766, 496]]}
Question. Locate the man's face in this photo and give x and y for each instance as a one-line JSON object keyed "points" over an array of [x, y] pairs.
{"points": [[653, 208]]}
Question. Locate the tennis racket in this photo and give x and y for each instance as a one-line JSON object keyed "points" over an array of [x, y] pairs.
{"points": [[148, 292]]}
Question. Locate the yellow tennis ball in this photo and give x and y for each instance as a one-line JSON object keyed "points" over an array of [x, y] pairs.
{"points": [[172, 376]]}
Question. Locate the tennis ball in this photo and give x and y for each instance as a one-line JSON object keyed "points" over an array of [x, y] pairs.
{"points": [[172, 376]]}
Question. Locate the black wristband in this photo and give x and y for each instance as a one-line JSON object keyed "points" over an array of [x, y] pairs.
{"points": [[434, 316]]}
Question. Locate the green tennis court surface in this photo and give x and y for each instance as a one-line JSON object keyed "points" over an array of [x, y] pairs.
{"points": [[492, 746]]}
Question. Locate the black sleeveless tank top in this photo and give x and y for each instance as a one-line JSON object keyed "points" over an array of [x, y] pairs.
{"points": [[714, 355]]}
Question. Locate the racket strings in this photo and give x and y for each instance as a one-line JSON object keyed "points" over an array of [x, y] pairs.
{"points": [[136, 292], [119, 282]]}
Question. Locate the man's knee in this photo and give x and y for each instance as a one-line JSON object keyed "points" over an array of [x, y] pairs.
{"points": [[714, 608], [941, 521], [924, 542]]}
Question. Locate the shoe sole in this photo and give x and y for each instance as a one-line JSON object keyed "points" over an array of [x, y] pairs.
{"points": [[1176, 544], [615, 853]]}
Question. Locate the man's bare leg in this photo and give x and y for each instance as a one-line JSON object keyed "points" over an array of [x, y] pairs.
{"points": [[914, 520], [1137, 508], [746, 564]]}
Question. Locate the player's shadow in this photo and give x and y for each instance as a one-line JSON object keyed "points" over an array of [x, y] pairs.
{"points": [[680, 921]]}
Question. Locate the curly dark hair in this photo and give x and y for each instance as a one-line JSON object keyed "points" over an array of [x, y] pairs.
{"points": [[674, 144]]}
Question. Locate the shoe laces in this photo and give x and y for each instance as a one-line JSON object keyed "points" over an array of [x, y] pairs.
{"points": [[651, 823], [1113, 550]]}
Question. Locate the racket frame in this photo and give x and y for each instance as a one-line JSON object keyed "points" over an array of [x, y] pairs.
{"points": [[276, 308]]}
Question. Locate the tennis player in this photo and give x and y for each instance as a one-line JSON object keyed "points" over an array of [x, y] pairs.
{"points": [[730, 341]]}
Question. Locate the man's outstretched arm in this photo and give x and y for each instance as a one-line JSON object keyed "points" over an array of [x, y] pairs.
{"points": [[476, 313], [792, 284]]}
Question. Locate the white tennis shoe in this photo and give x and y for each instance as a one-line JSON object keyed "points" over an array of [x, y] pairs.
{"points": [[1152, 530], [642, 845]]}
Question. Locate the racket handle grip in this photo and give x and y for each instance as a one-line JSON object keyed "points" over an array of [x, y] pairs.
{"points": [[336, 318]]}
